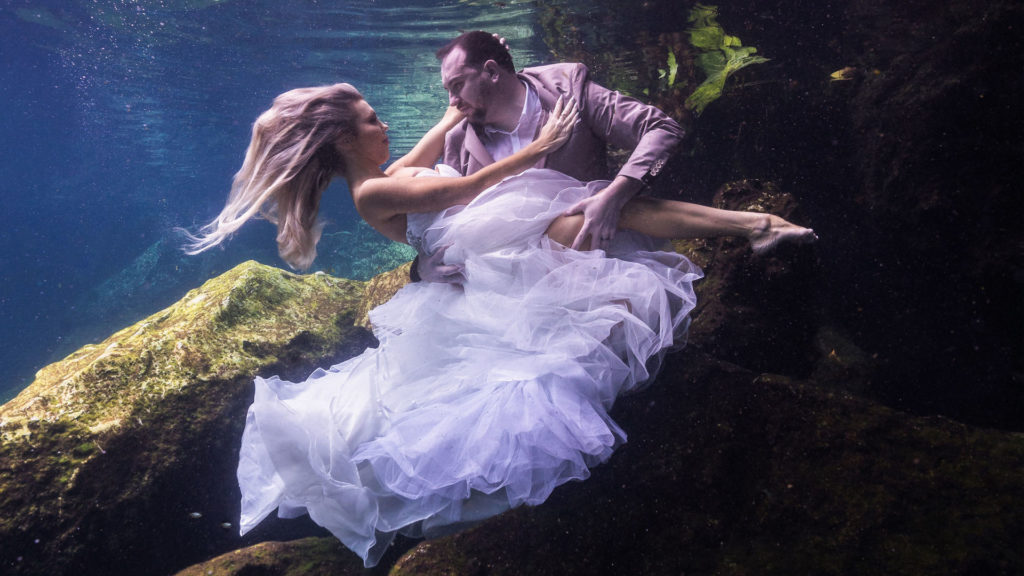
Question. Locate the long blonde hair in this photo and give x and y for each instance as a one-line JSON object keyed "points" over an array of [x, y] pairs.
{"points": [[290, 161]]}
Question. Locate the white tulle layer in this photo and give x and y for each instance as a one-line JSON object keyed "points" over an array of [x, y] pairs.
{"points": [[479, 398]]}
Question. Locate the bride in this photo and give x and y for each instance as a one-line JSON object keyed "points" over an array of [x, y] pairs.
{"points": [[481, 396]]}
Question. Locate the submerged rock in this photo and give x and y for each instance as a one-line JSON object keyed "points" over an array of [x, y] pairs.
{"points": [[306, 557], [755, 310], [120, 458], [938, 130], [123, 456], [731, 472], [380, 289]]}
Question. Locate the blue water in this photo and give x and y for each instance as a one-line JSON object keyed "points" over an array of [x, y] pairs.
{"points": [[124, 119]]}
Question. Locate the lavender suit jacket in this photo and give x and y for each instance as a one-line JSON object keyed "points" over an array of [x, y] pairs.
{"points": [[607, 117]]}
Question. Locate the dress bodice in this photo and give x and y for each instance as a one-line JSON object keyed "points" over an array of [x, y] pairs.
{"points": [[417, 224]]}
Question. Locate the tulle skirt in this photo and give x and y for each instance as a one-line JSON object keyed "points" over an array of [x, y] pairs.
{"points": [[480, 397]]}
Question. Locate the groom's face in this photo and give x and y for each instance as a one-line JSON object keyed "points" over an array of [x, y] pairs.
{"points": [[469, 89]]}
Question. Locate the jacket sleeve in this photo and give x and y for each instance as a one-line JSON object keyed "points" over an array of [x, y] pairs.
{"points": [[629, 124]]}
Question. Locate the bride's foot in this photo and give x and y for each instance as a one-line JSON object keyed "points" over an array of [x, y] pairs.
{"points": [[773, 231]]}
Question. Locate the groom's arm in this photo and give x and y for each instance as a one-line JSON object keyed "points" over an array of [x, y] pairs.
{"points": [[628, 124]]}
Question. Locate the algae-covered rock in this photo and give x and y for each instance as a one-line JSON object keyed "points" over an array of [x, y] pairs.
{"points": [[380, 289], [120, 458], [731, 472]]}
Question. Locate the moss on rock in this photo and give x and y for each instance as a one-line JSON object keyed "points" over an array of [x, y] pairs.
{"points": [[380, 289], [111, 450]]}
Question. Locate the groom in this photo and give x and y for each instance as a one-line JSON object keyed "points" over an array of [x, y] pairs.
{"points": [[505, 110]]}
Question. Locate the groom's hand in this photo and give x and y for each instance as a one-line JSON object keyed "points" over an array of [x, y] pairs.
{"points": [[431, 268], [601, 212]]}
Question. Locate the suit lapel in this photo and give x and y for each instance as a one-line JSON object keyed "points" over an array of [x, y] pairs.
{"points": [[547, 97], [547, 102], [475, 148]]}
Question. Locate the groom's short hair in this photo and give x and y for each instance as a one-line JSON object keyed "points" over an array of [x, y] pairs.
{"points": [[479, 48]]}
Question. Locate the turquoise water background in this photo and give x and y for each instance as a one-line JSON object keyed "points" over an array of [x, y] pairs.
{"points": [[124, 119]]}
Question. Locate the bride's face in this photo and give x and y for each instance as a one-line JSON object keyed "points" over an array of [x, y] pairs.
{"points": [[370, 141]]}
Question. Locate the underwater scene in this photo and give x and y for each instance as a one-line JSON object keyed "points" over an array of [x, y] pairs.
{"points": [[848, 406]]}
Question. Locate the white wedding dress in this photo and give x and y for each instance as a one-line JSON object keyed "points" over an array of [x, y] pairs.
{"points": [[480, 397]]}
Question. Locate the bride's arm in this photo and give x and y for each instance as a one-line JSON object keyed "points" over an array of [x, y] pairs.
{"points": [[430, 146], [382, 199]]}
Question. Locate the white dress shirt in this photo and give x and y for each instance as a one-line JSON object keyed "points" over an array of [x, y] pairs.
{"points": [[502, 144]]}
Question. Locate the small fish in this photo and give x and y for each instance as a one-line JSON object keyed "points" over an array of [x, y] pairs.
{"points": [[225, 525], [843, 74], [195, 515]]}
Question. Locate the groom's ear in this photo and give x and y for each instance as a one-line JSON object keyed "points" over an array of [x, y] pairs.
{"points": [[491, 68]]}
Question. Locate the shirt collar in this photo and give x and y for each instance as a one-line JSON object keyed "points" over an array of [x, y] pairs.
{"points": [[531, 106]]}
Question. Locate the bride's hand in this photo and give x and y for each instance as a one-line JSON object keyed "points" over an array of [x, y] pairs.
{"points": [[451, 117], [559, 126]]}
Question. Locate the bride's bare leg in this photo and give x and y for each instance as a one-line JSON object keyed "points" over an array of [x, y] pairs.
{"points": [[672, 219], [564, 230], [779, 231]]}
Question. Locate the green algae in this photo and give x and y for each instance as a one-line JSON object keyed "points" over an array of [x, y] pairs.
{"points": [[720, 55], [670, 70]]}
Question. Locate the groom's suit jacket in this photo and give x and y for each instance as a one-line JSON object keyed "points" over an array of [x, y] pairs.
{"points": [[606, 117]]}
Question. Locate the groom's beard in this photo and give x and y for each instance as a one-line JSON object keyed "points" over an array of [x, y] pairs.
{"points": [[477, 116]]}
